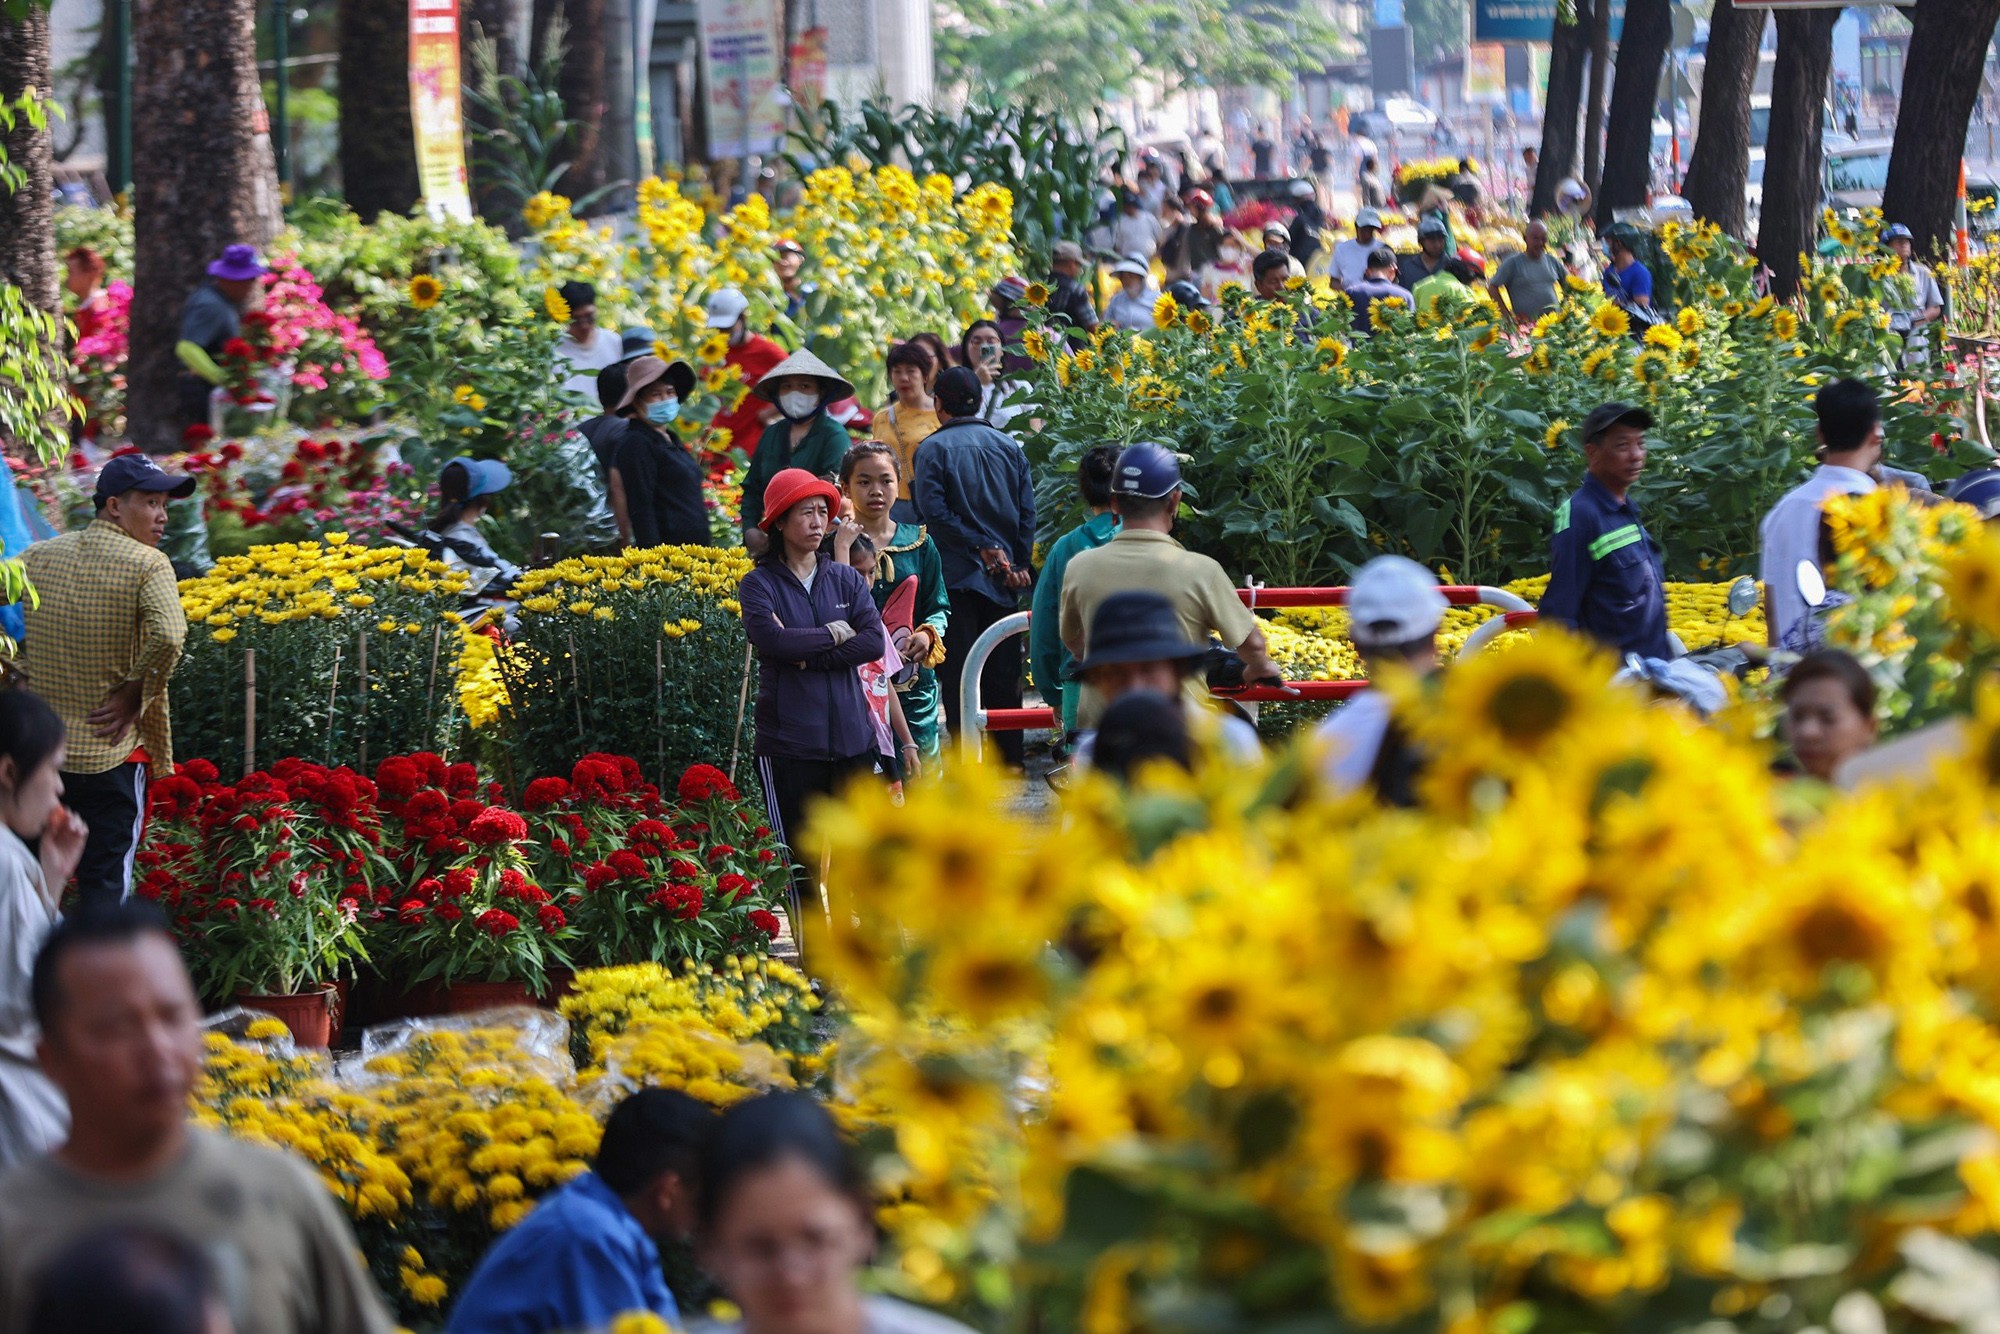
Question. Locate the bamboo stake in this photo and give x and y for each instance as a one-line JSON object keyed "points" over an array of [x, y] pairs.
{"points": [[430, 691], [659, 711], [742, 703], [576, 685], [332, 699], [249, 710], [361, 666]]}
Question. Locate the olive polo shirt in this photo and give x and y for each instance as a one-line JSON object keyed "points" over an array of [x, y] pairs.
{"points": [[1201, 594]]}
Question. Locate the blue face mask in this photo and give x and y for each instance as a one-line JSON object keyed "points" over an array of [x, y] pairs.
{"points": [[663, 412]]}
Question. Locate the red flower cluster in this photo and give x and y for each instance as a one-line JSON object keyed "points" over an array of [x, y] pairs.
{"points": [[494, 826], [678, 900], [703, 782]]}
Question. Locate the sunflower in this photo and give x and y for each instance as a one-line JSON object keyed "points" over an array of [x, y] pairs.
{"points": [[714, 347], [553, 303], [1552, 438], [1610, 321], [1036, 295], [1165, 312], [1690, 321], [1198, 322], [1035, 343], [1499, 710], [425, 291], [1598, 361], [1651, 367], [1784, 325]]}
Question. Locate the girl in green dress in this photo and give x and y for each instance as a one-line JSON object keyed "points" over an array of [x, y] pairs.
{"points": [[869, 477]]}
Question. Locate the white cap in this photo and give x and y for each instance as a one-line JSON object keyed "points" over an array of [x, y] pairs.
{"points": [[726, 307], [1302, 189], [1393, 600], [1368, 217], [1131, 264]]}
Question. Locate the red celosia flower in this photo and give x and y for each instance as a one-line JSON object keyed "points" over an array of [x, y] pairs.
{"points": [[412, 912], [733, 886], [398, 777], [628, 864], [702, 782], [493, 826], [495, 922], [767, 922], [551, 917], [546, 792]]}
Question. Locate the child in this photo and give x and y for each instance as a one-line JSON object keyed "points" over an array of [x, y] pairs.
{"points": [[896, 751]]}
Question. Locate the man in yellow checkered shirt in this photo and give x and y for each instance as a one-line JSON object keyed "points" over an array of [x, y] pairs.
{"points": [[104, 631]]}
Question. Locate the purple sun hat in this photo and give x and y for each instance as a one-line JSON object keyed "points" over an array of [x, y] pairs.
{"points": [[239, 263]]}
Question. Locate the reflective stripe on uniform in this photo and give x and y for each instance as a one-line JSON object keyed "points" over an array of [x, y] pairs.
{"points": [[1562, 517], [1616, 539]]}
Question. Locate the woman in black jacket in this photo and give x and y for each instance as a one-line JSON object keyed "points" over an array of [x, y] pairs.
{"points": [[655, 482]]}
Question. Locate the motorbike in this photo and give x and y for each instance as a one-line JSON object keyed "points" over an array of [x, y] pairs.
{"points": [[1695, 678]]}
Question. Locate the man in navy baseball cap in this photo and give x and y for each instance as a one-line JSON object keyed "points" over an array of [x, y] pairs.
{"points": [[127, 473]]}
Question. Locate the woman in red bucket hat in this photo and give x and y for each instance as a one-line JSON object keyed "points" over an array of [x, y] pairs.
{"points": [[812, 621]]}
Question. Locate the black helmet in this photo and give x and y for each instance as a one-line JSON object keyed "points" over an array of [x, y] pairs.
{"points": [[1186, 295]]}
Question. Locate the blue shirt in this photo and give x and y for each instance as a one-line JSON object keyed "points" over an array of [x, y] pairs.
{"points": [[973, 491], [1629, 283], [209, 320], [577, 1262], [1605, 577]]}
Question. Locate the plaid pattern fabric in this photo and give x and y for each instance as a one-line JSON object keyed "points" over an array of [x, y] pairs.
{"points": [[109, 612]]}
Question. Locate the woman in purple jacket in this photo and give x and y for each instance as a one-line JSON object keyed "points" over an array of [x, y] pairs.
{"points": [[812, 621]]}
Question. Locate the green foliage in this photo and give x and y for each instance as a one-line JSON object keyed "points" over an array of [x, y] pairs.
{"points": [[108, 231], [35, 403], [522, 142], [1046, 157], [1437, 28]]}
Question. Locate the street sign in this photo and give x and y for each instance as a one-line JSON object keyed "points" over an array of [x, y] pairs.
{"points": [[1526, 20]]}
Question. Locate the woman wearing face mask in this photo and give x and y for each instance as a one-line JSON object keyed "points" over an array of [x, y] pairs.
{"points": [[655, 482], [1232, 265], [33, 1116], [786, 1225], [812, 621], [982, 349], [803, 437]]}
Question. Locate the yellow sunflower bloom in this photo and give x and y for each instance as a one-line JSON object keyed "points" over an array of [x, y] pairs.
{"points": [[1610, 321], [553, 303], [425, 291]]}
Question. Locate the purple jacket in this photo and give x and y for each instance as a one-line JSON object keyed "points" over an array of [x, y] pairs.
{"points": [[809, 701]]}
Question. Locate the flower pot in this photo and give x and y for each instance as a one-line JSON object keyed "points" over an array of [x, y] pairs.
{"points": [[309, 1014], [466, 997]]}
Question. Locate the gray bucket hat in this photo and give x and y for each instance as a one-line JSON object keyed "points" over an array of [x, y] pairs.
{"points": [[803, 362]]}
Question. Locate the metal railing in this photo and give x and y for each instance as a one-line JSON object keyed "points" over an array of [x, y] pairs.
{"points": [[973, 720]]}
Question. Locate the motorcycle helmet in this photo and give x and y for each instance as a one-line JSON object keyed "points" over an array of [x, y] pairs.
{"points": [[1979, 489], [1186, 295]]}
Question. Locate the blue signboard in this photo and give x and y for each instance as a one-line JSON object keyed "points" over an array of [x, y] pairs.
{"points": [[1388, 13], [1526, 20]]}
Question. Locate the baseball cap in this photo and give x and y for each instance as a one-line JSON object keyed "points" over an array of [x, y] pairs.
{"points": [[1605, 416], [726, 307], [1145, 470], [1278, 229], [787, 245], [1066, 251], [1393, 600], [1896, 231], [1368, 217], [637, 339], [1432, 227], [1010, 288], [1131, 264], [1302, 189], [136, 472]]}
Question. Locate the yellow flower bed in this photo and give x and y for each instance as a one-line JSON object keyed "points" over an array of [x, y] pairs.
{"points": [[1311, 643], [331, 581]]}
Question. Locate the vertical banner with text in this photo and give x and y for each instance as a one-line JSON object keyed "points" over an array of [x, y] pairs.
{"points": [[436, 114], [739, 61]]}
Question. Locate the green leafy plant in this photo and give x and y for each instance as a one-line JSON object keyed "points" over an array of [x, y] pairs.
{"points": [[523, 142]]}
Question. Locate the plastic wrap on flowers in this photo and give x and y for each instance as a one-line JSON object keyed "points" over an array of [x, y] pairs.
{"points": [[186, 542], [514, 1039], [680, 1056], [557, 490]]}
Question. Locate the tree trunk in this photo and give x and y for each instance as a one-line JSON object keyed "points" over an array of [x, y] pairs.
{"points": [[27, 220], [1719, 168], [582, 85], [378, 150], [1568, 50], [1941, 77], [1792, 157], [1593, 107], [202, 178], [1628, 136]]}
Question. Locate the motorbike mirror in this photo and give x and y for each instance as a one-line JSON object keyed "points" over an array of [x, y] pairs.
{"points": [[1812, 584], [1743, 596]]}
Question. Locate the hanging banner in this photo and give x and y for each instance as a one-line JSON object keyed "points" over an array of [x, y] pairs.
{"points": [[739, 64], [1486, 72], [809, 67], [1814, 4], [1526, 20], [436, 113]]}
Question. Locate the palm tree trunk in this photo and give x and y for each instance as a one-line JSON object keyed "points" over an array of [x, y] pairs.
{"points": [[1593, 106], [202, 178], [1792, 158], [1719, 168], [27, 225], [1941, 76]]}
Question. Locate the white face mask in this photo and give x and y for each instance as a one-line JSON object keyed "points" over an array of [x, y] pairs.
{"points": [[796, 405], [1230, 254]]}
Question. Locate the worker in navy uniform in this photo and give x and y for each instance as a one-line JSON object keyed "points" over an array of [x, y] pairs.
{"points": [[1605, 576]]}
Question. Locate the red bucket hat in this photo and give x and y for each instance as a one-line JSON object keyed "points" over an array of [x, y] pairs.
{"points": [[790, 487]]}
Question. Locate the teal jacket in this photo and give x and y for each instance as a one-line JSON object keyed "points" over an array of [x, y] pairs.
{"points": [[1051, 662], [913, 552], [820, 451]]}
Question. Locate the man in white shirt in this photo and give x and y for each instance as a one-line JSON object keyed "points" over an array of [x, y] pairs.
{"points": [[1394, 609], [1850, 437], [586, 347], [1137, 230], [1350, 257], [1927, 301]]}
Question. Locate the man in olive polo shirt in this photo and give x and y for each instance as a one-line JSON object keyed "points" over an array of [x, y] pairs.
{"points": [[1146, 494]]}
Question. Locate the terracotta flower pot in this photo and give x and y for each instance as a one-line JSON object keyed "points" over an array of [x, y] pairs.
{"points": [[309, 1014], [466, 997]]}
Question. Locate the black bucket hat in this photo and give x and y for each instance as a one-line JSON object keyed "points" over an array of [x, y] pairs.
{"points": [[1137, 626]]}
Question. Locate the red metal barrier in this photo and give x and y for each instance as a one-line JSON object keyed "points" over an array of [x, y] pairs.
{"points": [[1028, 720]]}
